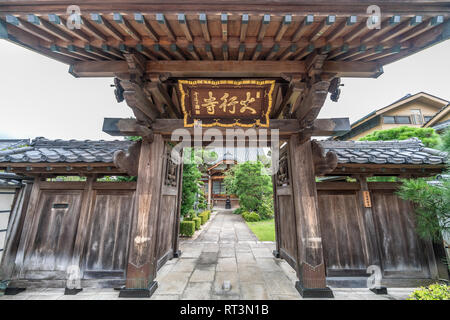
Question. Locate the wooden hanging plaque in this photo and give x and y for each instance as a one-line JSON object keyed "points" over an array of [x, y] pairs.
{"points": [[226, 103]]}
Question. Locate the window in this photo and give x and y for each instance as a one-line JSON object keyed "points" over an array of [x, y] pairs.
{"points": [[388, 119], [416, 116], [427, 118], [402, 120], [218, 187]]}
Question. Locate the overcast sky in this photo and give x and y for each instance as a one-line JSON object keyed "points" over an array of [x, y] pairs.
{"points": [[38, 97]]}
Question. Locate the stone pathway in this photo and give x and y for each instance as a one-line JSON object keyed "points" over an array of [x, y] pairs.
{"points": [[226, 251]]}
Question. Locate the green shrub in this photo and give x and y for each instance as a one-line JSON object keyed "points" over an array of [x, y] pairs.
{"points": [[203, 216], [265, 208], [207, 213], [198, 222], [238, 210], [251, 216], [187, 228], [432, 292]]}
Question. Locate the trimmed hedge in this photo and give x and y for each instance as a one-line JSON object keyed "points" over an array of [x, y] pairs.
{"points": [[250, 216], [198, 222], [187, 228], [203, 216]]}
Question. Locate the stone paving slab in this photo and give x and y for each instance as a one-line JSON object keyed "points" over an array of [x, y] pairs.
{"points": [[225, 249]]}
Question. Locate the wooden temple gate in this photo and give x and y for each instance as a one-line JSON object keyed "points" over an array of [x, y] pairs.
{"points": [[301, 48]]}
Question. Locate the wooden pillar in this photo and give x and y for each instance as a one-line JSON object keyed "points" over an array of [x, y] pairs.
{"points": [[176, 236], [276, 252], [310, 262], [209, 191], [142, 260]]}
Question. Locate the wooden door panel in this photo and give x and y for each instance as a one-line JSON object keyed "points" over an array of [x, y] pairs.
{"points": [[52, 234], [107, 240], [342, 237], [402, 252]]}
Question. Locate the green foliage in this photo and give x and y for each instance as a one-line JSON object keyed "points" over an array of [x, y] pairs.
{"points": [[202, 202], [382, 179], [433, 206], [239, 210], [264, 230], [445, 141], [251, 216], [428, 136], [198, 222], [204, 216], [187, 228], [194, 161], [134, 138], [432, 292], [251, 183], [265, 209]]}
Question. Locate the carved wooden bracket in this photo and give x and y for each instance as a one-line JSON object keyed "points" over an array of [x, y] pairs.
{"points": [[323, 163], [128, 161]]}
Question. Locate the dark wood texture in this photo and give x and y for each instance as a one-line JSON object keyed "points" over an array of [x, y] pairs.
{"points": [[403, 254], [310, 262], [355, 237], [57, 224], [142, 259], [108, 234], [321, 127]]}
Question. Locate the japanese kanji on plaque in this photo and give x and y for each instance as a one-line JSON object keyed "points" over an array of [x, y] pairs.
{"points": [[226, 103]]}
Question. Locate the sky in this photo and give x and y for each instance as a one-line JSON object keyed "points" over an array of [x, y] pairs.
{"points": [[39, 98]]}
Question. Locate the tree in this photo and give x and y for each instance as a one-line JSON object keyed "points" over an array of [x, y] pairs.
{"points": [[250, 182], [433, 205], [427, 135], [194, 163], [432, 200]]}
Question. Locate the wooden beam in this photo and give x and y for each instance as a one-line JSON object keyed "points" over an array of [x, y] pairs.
{"points": [[209, 52], [136, 99], [184, 26], [341, 28], [82, 52], [146, 52], [161, 52], [287, 19], [64, 51], [174, 50], [224, 26], [140, 18], [264, 25], [313, 100], [93, 30], [98, 52], [291, 98], [289, 52], [244, 27], [309, 19], [60, 21], [165, 127], [241, 52], [356, 32], [192, 52], [204, 25], [112, 51], [126, 26], [162, 98], [273, 52], [225, 52], [30, 28], [108, 26], [50, 28], [322, 28], [228, 68], [257, 52]]}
